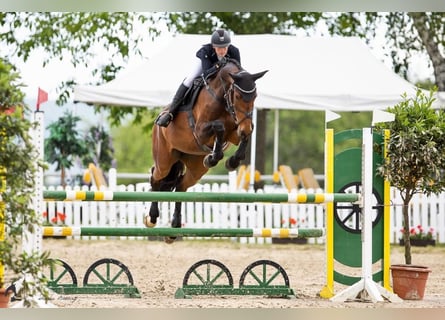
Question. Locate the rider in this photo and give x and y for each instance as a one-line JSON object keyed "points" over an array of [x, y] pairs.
{"points": [[210, 56]]}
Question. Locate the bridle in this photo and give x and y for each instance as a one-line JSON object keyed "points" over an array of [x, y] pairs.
{"points": [[227, 98]]}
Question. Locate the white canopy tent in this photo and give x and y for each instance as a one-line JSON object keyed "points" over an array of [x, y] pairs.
{"points": [[313, 73], [339, 74]]}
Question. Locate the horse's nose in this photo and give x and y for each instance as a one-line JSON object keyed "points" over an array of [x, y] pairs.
{"points": [[245, 128]]}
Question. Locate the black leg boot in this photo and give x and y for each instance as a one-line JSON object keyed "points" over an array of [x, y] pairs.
{"points": [[165, 118]]}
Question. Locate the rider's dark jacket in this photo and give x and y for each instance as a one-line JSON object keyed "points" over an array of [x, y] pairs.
{"points": [[209, 58]]}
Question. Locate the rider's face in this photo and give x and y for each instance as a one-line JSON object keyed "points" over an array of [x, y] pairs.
{"points": [[221, 52]]}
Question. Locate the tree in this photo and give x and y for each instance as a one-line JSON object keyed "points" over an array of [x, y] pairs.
{"points": [[19, 161], [132, 145], [406, 33], [64, 144], [415, 160], [79, 36], [100, 148], [428, 36], [76, 35]]}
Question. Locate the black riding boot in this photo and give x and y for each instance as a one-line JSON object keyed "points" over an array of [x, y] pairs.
{"points": [[165, 118]]}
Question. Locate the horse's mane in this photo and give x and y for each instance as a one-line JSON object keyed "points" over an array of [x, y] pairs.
{"points": [[235, 62], [223, 66]]}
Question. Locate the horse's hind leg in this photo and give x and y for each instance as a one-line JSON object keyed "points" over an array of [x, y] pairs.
{"points": [[176, 221], [152, 217], [177, 218], [171, 182], [195, 170]]}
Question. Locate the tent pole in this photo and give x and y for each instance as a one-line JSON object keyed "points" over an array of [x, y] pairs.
{"points": [[276, 140], [253, 151]]}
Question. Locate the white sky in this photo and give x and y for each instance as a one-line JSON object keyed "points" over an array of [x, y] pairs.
{"points": [[34, 75]]}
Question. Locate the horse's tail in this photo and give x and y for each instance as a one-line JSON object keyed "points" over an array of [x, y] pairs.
{"points": [[174, 177]]}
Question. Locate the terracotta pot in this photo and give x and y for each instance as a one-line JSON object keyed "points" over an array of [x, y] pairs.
{"points": [[409, 281], [4, 299]]}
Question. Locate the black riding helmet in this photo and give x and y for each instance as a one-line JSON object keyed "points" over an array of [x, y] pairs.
{"points": [[220, 38]]}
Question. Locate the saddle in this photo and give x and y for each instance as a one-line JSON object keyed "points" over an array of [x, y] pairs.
{"points": [[192, 93]]}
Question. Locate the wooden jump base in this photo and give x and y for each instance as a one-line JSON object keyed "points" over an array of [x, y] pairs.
{"points": [[181, 232], [200, 196]]}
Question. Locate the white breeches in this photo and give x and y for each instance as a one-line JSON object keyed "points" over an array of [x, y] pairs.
{"points": [[195, 70]]}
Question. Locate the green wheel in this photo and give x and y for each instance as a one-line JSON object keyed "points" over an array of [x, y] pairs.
{"points": [[264, 273], [348, 215], [108, 272], [61, 274], [208, 273]]}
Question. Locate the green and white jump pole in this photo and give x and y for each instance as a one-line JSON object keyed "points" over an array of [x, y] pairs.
{"points": [[199, 197], [183, 232]]}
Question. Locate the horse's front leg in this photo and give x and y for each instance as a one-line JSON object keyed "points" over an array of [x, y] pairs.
{"points": [[217, 154], [240, 154]]}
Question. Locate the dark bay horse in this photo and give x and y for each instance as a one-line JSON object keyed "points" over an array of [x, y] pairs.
{"points": [[185, 150]]}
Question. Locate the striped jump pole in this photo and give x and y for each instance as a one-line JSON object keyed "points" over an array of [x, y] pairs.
{"points": [[182, 232], [200, 196]]}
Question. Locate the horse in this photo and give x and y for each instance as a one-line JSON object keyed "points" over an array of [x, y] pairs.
{"points": [[196, 139]]}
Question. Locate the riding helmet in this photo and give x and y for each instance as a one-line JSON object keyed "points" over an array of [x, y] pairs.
{"points": [[220, 38]]}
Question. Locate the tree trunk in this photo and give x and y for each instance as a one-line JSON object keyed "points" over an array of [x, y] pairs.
{"points": [[406, 230], [62, 177], [421, 23]]}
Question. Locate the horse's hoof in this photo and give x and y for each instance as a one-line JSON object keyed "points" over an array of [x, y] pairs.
{"points": [[169, 240], [148, 223], [231, 164]]}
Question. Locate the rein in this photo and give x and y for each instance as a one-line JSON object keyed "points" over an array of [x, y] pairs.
{"points": [[227, 98], [227, 101]]}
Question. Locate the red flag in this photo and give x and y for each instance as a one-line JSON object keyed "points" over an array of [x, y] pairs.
{"points": [[41, 98]]}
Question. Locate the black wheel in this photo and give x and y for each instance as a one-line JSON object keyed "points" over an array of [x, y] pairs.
{"points": [[264, 273], [208, 273], [61, 274], [348, 215], [108, 272]]}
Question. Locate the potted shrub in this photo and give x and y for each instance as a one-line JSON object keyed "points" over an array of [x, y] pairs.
{"points": [[18, 159], [415, 163]]}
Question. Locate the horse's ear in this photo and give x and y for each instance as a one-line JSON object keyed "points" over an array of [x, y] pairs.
{"points": [[254, 77], [258, 75]]}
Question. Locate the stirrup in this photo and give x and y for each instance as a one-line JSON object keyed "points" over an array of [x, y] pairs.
{"points": [[164, 119]]}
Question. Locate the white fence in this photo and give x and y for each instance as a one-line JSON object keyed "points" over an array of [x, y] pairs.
{"points": [[425, 211]]}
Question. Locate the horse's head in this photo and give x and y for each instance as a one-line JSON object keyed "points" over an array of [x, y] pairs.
{"points": [[240, 99]]}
